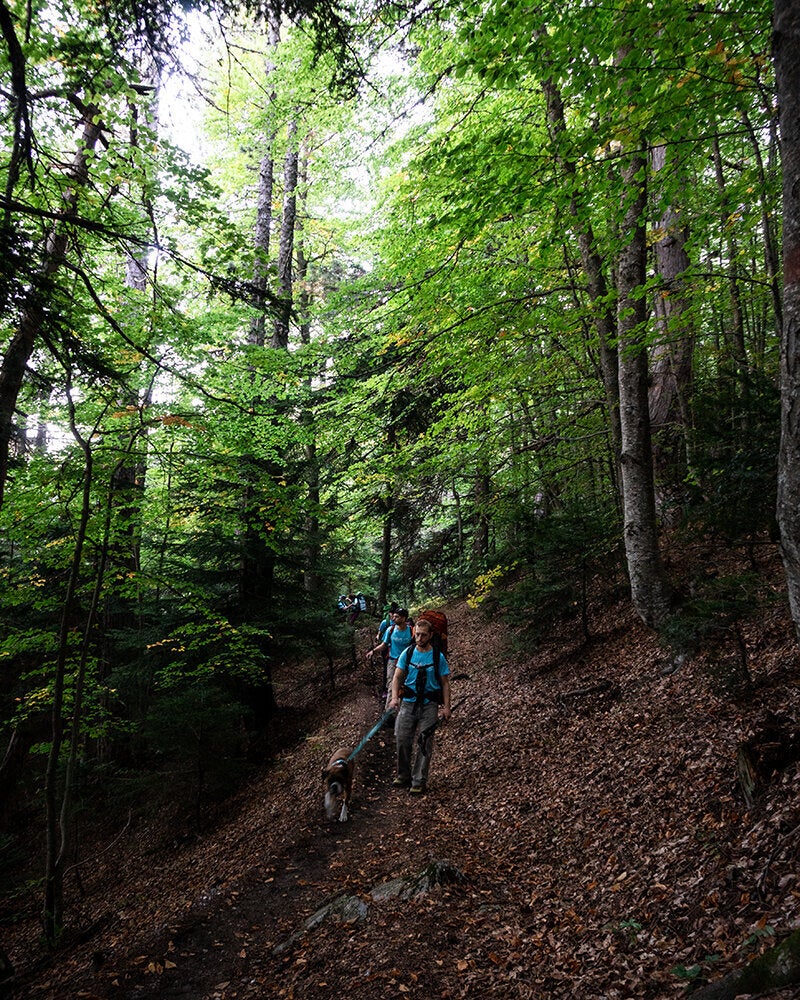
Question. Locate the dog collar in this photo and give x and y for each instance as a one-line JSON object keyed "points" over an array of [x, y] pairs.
{"points": [[341, 760]]}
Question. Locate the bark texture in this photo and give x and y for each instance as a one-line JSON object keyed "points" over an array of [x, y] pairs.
{"points": [[786, 48], [773, 970], [671, 361], [649, 589]]}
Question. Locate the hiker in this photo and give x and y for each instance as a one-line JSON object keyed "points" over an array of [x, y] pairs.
{"points": [[354, 608], [389, 611], [397, 637], [421, 684]]}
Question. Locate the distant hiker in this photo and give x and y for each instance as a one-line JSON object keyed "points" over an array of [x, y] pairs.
{"points": [[389, 612], [354, 607], [420, 686], [396, 638], [342, 604]]}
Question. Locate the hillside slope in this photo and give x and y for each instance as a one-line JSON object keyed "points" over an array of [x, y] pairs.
{"points": [[592, 806]]}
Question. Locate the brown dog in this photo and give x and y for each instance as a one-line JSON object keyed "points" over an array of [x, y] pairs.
{"points": [[338, 779]]}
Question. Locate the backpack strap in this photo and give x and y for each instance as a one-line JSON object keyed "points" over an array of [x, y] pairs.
{"points": [[422, 675]]}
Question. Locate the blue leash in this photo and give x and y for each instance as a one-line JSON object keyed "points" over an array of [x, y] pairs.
{"points": [[386, 715]]}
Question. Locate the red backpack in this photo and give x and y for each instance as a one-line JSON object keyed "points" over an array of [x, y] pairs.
{"points": [[438, 620]]}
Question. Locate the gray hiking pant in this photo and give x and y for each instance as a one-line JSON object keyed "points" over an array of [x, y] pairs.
{"points": [[412, 721]]}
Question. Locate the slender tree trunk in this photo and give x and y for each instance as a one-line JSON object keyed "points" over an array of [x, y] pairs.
{"points": [[386, 537], [256, 569], [770, 243], [671, 361], [482, 492], [263, 226], [786, 49], [311, 527], [53, 908], [283, 315], [735, 339], [649, 589], [386, 553], [592, 263]]}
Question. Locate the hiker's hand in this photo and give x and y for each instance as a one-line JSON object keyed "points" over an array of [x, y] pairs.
{"points": [[445, 716], [393, 702]]}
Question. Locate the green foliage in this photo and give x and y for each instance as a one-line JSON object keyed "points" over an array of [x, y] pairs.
{"points": [[210, 646], [556, 555], [708, 621], [732, 485], [194, 736], [697, 973]]}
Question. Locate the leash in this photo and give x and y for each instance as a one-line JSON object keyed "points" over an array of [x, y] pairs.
{"points": [[386, 715]]}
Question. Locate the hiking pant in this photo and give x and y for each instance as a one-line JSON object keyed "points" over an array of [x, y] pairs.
{"points": [[412, 721]]}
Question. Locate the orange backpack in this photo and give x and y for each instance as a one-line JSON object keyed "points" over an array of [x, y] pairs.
{"points": [[438, 620]]}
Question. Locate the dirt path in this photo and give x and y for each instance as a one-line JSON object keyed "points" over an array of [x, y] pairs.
{"points": [[227, 944]]}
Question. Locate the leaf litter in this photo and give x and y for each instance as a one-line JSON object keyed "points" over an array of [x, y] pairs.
{"points": [[606, 846]]}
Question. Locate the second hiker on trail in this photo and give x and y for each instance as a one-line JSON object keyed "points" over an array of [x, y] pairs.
{"points": [[421, 684], [396, 638]]}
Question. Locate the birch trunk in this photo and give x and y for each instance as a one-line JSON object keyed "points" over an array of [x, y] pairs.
{"points": [[649, 589]]}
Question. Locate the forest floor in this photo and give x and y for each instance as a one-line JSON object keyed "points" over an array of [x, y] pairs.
{"points": [[591, 804]]}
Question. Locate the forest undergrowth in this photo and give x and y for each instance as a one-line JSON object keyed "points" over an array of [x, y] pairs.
{"points": [[592, 803]]}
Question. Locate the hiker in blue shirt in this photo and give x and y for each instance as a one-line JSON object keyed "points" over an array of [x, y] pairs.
{"points": [[397, 637], [419, 687], [389, 612]]}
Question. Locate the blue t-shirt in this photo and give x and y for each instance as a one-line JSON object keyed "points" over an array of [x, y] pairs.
{"points": [[412, 661], [398, 641]]}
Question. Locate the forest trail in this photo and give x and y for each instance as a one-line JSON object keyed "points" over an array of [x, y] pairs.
{"points": [[591, 804]]}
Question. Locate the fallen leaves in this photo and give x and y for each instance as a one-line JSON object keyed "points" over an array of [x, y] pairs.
{"points": [[604, 842]]}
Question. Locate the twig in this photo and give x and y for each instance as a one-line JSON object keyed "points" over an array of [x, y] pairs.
{"points": [[79, 864]]}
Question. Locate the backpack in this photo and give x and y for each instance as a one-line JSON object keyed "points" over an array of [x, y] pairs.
{"points": [[438, 620], [361, 601]]}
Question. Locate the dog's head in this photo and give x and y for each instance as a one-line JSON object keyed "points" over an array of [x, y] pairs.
{"points": [[336, 778]]}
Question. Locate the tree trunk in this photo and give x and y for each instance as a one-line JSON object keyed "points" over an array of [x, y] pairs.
{"points": [[386, 554], [649, 589], [786, 49], [482, 494], [671, 367], [32, 318], [262, 231], [592, 264], [280, 333], [776, 968], [311, 526], [734, 338], [771, 265], [53, 906]]}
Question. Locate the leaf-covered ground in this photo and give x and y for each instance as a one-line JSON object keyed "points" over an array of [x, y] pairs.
{"points": [[592, 804]]}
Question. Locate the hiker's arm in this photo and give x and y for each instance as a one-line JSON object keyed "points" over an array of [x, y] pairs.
{"points": [[397, 687], [381, 646], [446, 696]]}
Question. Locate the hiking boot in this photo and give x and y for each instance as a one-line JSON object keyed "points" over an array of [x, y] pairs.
{"points": [[417, 789], [401, 783]]}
